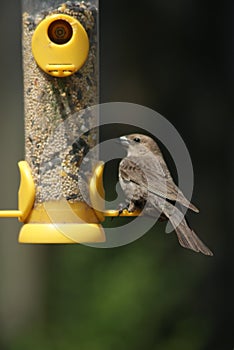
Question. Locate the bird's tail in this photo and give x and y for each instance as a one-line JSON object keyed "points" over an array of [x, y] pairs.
{"points": [[186, 236], [191, 240]]}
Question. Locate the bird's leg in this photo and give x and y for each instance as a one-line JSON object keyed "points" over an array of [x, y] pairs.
{"points": [[123, 207], [132, 207]]}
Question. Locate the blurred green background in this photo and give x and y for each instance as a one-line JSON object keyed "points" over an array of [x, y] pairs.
{"points": [[174, 57]]}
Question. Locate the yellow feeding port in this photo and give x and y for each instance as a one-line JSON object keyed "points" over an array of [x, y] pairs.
{"points": [[60, 45]]}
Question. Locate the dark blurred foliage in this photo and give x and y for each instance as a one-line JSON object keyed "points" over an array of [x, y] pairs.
{"points": [[174, 57]]}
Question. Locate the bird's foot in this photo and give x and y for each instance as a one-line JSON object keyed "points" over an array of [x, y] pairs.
{"points": [[131, 207], [122, 207]]}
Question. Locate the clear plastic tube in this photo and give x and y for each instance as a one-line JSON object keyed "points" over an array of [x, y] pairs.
{"points": [[35, 6], [58, 127]]}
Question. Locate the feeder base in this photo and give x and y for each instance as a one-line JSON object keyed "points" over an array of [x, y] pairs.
{"points": [[61, 233]]}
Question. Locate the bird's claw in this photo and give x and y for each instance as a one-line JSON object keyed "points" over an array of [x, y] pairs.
{"points": [[122, 207]]}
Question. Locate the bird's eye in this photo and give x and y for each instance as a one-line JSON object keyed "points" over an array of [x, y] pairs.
{"points": [[136, 139]]}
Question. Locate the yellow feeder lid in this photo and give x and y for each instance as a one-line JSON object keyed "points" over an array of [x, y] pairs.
{"points": [[60, 45]]}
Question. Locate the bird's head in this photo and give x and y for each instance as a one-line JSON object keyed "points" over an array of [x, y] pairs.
{"points": [[139, 145]]}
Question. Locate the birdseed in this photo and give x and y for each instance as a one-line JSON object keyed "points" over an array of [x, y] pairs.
{"points": [[57, 113]]}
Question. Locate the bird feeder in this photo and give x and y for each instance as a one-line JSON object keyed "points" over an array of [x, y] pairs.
{"points": [[60, 62]]}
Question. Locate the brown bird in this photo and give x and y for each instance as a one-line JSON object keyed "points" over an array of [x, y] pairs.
{"points": [[147, 183]]}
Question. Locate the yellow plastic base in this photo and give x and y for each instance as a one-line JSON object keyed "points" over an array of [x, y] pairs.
{"points": [[53, 222], [60, 221], [51, 233]]}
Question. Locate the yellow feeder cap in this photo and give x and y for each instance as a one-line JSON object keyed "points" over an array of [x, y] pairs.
{"points": [[60, 45]]}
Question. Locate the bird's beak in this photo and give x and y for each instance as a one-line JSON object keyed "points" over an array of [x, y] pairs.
{"points": [[124, 141]]}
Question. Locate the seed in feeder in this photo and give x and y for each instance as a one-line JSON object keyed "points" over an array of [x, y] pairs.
{"points": [[50, 102]]}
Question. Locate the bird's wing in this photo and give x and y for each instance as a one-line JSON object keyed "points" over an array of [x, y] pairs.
{"points": [[154, 175], [130, 171], [164, 178]]}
